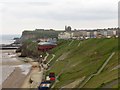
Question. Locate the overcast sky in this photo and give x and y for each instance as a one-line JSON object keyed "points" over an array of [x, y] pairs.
{"points": [[17, 16]]}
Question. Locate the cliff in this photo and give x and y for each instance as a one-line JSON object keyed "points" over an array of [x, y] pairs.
{"points": [[38, 34]]}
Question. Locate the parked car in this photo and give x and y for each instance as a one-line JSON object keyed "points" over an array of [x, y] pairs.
{"points": [[52, 74], [44, 85], [49, 81], [52, 78], [47, 78]]}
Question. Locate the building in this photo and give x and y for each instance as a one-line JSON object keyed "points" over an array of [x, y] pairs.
{"points": [[95, 33], [88, 34], [110, 33], [65, 35], [83, 34], [68, 28], [47, 40], [46, 46]]}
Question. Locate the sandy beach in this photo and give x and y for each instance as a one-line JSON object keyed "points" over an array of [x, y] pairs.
{"points": [[15, 79], [15, 69], [16, 73]]}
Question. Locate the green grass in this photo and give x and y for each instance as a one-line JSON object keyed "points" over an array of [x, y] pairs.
{"points": [[85, 60], [116, 86], [106, 73], [102, 78]]}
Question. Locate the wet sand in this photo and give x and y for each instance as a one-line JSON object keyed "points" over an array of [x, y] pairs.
{"points": [[10, 58], [16, 78]]}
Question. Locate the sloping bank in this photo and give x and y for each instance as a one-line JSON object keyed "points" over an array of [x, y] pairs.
{"points": [[83, 61]]}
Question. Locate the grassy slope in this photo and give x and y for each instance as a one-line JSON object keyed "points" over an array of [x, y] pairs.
{"points": [[107, 75], [84, 61]]}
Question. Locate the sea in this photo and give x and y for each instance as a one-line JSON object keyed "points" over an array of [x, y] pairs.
{"points": [[8, 39]]}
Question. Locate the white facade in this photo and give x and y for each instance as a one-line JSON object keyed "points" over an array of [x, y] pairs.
{"points": [[114, 32], [88, 34], [95, 34], [105, 33], [65, 35]]}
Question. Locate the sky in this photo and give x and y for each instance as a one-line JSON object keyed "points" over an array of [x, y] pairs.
{"points": [[19, 15]]}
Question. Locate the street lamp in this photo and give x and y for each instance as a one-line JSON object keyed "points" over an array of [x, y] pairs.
{"points": [[40, 58]]}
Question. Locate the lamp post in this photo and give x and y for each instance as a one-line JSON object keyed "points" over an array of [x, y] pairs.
{"points": [[40, 59]]}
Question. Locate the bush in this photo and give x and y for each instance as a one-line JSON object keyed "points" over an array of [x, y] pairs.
{"points": [[30, 49]]}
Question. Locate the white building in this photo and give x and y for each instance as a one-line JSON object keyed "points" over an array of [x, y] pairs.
{"points": [[114, 32], [95, 34], [88, 34], [65, 35]]}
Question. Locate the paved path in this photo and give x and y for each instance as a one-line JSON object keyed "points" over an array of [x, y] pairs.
{"points": [[99, 71], [70, 42], [35, 74], [53, 56], [46, 56], [79, 43], [36, 77]]}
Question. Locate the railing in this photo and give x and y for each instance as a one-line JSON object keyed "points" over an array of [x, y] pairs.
{"points": [[5, 48]]}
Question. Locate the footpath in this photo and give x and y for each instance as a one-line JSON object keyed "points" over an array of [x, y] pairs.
{"points": [[98, 72]]}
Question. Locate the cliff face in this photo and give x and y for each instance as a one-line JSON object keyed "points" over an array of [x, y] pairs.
{"points": [[38, 34], [27, 35]]}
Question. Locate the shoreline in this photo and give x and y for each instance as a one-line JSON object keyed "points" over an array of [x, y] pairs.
{"points": [[20, 75], [14, 80], [17, 74]]}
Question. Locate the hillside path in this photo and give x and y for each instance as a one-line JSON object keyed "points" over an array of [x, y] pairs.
{"points": [[53, 56], [70, 42], [99, 71]]}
